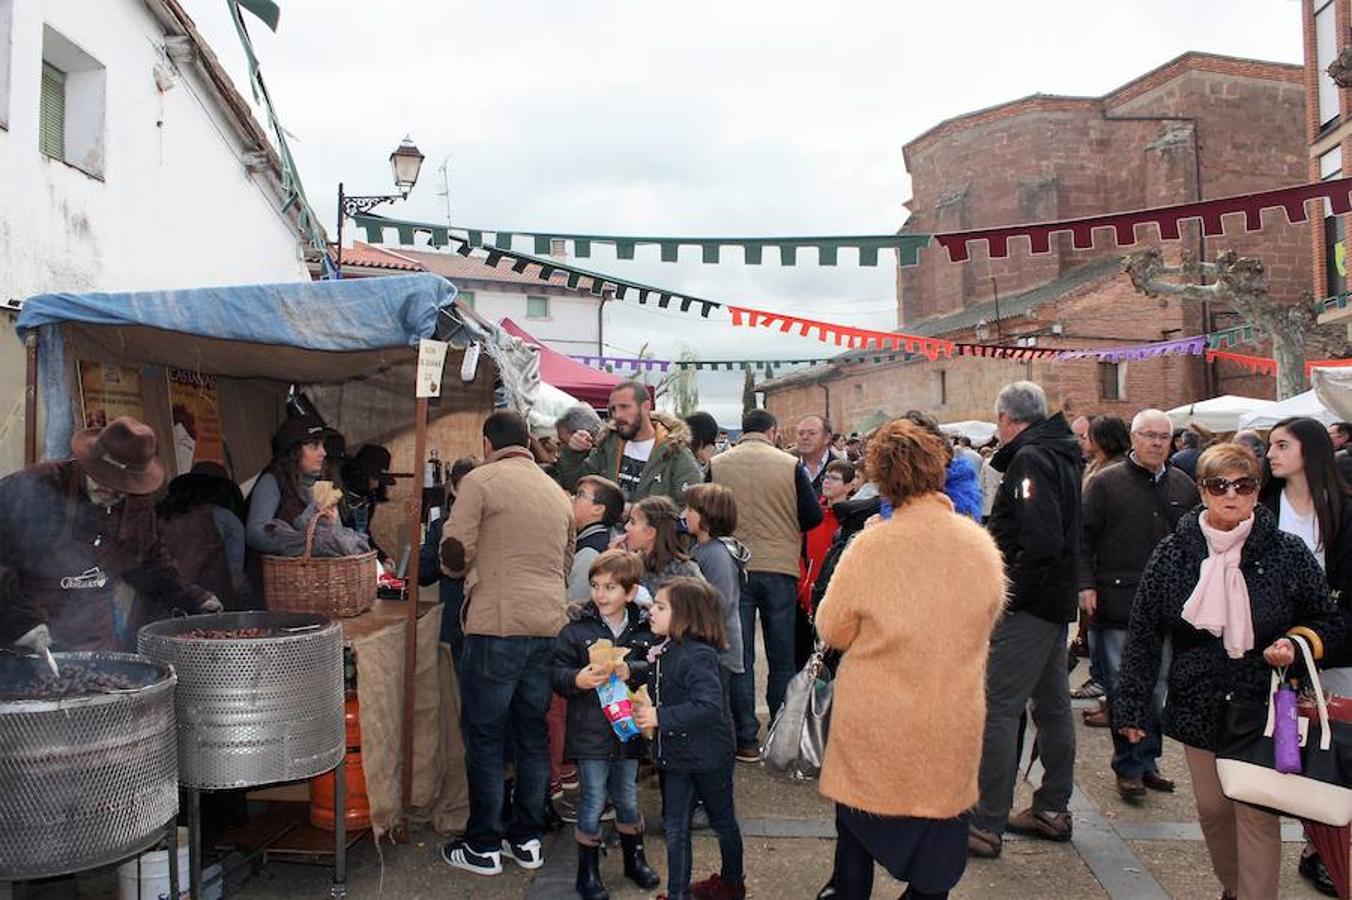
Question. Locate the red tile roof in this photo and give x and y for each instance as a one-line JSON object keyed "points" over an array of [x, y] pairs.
{"points": [[451, 266]]}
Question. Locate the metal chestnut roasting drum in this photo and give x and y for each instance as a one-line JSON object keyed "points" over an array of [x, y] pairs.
{"points": [[88, 769], [259, 698]]}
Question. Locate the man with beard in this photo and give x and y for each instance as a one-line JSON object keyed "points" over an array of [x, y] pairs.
{"points": [[644, 452]]}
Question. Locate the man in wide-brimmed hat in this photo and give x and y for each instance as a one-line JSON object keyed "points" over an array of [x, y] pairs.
{"points": [[80, 543]]}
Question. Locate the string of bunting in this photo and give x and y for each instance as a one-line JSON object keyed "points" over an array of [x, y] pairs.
{"points": [[1260, 364], [1312, 364], [1189, 346], [637, 363], [1123, 227], [842, 335], [293, 190]]}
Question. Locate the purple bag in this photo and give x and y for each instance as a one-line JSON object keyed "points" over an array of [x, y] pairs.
{"points": [[1285, 731]]}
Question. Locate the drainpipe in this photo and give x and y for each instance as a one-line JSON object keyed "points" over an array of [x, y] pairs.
{"points": [[826, 389], [601, 323]]}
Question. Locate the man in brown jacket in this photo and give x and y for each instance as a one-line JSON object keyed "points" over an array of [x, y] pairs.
{"points": [[510, 536], [775, 505]]}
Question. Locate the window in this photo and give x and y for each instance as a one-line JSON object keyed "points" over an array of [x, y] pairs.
{"points": [[941, 385], [71, 104], [465, 299], [1335, 254], [1325, 49], [1112, 381], [558, 248], [1331, 164], [537, 307], [52, 112]]}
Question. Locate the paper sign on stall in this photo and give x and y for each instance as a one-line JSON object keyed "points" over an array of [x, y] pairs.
{"points": [[431, 359], [197, 419], [107, 392]]}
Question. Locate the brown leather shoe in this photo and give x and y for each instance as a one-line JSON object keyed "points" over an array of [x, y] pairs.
{"points": [[1047, 827], [1130, 789], [983, 844], [1157, 782], [1096, 718]]}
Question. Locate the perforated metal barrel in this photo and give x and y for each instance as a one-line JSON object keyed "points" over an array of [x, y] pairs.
{"points": [[253, 711], [89, 779]]}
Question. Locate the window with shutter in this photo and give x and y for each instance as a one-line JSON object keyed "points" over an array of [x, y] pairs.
{"points": [[537, 307], [52, 112]]}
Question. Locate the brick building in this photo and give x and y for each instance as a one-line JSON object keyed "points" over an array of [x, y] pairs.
{"points": [[1328, 128], [1198, 127]]}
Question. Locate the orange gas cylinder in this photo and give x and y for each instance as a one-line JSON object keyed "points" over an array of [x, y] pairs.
{"points": [[358, 813]]}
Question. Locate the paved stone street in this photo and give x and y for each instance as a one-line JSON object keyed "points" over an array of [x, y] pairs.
{"points": [[1153, 850]]}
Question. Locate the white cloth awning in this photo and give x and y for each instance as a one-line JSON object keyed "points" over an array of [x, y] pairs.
{"points": [[1219, 414], [1306, 404]]}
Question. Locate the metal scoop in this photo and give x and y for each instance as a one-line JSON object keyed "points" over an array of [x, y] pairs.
{"points": [[51, 662]]}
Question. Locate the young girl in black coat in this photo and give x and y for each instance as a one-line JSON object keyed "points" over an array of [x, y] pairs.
{"points": [[606, 765], [693, 734]]}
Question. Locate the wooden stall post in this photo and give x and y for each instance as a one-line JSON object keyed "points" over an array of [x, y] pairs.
{"points": [[411, 595], [30, 401]]}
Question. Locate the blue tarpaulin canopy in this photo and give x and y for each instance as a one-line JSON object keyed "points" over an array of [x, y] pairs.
{"points": [[320, 332]]}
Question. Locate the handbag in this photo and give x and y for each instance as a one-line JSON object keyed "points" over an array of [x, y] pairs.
{"points": [[1246, 766], [796, 742]]}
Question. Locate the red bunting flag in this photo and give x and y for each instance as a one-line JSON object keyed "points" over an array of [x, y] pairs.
{"points": [[1261, 365], [1166, 219], [842, 335]]}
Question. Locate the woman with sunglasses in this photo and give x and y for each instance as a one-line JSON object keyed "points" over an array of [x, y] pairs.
{"points": [[1303, 489], [1227, 588]]}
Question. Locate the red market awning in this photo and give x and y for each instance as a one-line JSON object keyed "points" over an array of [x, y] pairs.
{"points": [[589, 385]]}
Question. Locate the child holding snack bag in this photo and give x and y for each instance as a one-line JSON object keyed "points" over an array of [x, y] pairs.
{"points": [[594, 657], [693, 734]]}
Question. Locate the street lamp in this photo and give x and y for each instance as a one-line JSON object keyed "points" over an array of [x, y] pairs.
{"points": [[405, 162]]}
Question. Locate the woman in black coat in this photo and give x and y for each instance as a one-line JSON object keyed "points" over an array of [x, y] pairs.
{"points": [[1304, 490], [1226, 633]]}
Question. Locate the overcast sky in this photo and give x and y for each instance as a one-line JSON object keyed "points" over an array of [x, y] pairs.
{"points": [[697, 118]]}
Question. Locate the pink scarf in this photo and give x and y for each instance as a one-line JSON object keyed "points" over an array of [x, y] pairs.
{"points": [[1220, 601]]}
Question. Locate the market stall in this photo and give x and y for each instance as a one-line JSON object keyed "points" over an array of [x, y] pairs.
{"points": [[212, 369], [1306, 404], [1217, 415]]}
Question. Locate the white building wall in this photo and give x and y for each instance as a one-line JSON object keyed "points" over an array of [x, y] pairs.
{"points": [[573, 326], [174, 205]]}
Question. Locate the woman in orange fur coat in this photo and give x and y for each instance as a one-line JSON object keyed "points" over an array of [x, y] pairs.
{"points": [[905, 740]]}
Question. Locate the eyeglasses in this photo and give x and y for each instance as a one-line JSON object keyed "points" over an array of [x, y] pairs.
{"points": [[1160, 436], [1219, 487]]}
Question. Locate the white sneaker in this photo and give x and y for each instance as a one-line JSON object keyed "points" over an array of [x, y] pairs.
{"points": [[461, 856], [527, 855]]}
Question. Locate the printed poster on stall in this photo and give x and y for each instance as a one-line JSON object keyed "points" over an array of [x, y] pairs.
{"points": [[107, 392], [196, 417]]}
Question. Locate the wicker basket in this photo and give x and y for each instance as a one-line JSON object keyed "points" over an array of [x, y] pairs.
{"points": [[331, 585]]}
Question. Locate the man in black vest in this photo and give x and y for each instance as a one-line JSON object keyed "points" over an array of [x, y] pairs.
{"points": [[1127, 510]]}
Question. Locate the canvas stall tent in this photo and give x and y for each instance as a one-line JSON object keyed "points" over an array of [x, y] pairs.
{"points": [[589, 385], [1333, 387], [976, 431], [1306, 404], [1217, 415], [351, 346]]}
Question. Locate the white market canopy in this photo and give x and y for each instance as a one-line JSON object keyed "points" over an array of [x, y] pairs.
{"points": [[1306, 404], [1333, 387], [1219, 414], [974, 430]]}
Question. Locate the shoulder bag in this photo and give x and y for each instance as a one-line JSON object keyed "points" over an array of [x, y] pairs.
{"points": [[796, 741], [1245, 757]]}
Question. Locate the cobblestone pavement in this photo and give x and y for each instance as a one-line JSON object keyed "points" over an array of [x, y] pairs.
{"points": [[1120, 850]]}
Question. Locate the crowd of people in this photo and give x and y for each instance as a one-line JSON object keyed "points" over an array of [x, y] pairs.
{"points": [[602, 590]]}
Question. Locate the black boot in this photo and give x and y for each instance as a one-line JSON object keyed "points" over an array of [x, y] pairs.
{"points": [[589, 873], [636, 867]]}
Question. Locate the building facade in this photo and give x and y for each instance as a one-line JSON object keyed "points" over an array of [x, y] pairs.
{"points": [[128, 161], [1328, 126], [1198, 127], [565, 319]]}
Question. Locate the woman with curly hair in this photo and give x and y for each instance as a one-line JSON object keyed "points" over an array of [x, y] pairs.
{"points": [[905, 744]]}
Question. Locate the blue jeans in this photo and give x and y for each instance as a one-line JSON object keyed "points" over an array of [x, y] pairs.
{"points": [[1131, 760], [505, 682], [775, 596], [599, 777], [680, 791]]}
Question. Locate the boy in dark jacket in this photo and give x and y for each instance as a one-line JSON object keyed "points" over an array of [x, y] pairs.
{"points": [[606, 765]]}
